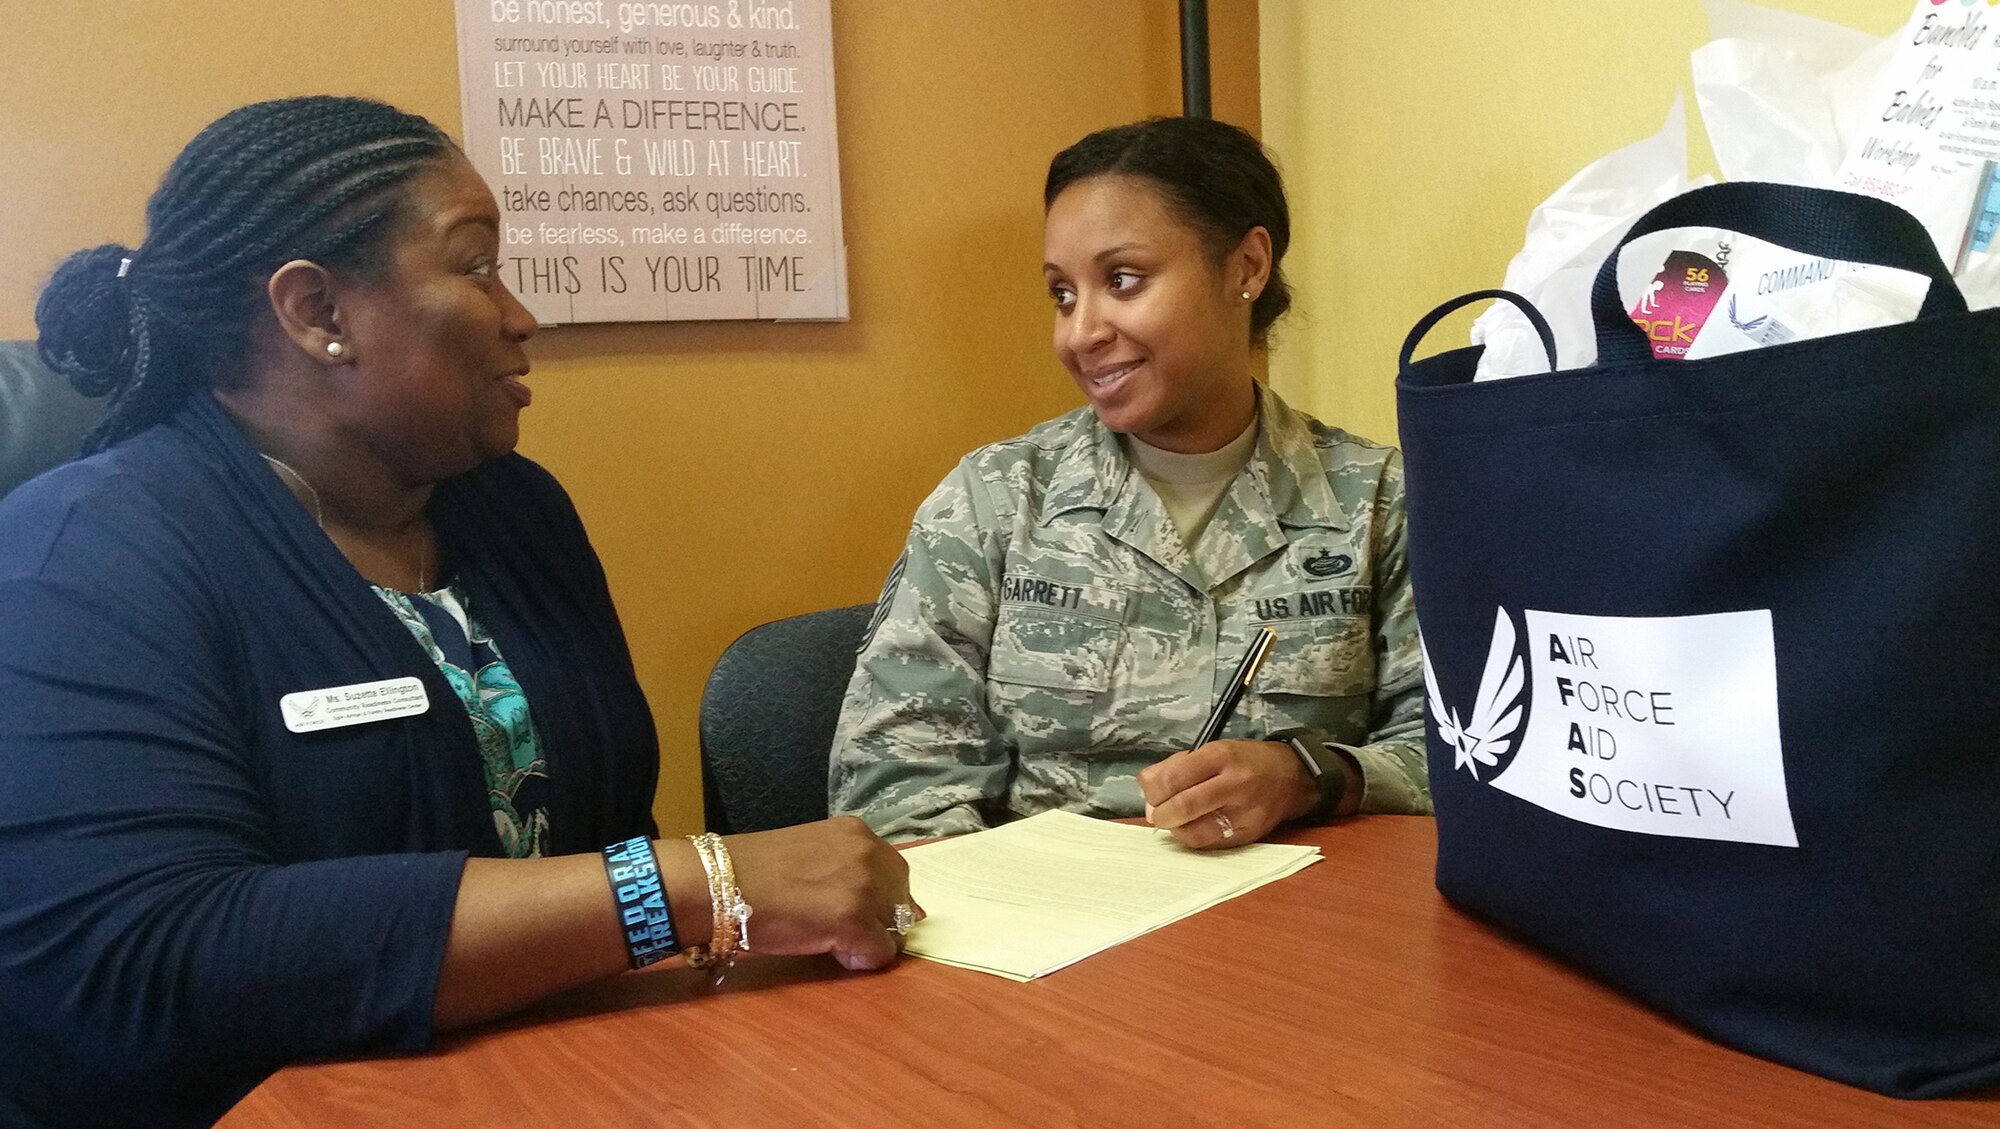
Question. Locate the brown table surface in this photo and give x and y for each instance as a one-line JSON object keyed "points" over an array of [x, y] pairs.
{"points": [[1348, 994]]}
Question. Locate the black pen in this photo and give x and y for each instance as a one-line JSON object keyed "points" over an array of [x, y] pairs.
{"points": [[1246, 670]]}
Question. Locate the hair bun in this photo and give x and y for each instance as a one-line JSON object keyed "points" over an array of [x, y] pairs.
{"points": [[84, 317]]}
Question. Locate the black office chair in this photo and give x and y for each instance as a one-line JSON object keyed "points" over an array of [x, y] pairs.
{"points": [[42, 419], [767, 719]]}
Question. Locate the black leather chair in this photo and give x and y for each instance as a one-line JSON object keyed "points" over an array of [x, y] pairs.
{"points": [[767, 719], [42, 419]]}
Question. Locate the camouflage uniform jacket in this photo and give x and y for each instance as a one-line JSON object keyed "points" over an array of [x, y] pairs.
{"points": [[1046, 635]]}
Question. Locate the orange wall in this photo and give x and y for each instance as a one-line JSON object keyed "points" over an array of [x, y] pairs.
{"points": [[729, 473]]}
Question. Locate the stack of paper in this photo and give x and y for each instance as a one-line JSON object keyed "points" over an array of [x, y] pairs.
{"points": [[1030, 897]]}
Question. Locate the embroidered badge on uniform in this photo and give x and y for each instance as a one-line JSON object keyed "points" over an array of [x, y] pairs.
{"points": [[883, 601], [1327, 563]]}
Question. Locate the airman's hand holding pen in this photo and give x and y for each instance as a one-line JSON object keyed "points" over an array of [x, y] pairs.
{"points": [[1227, 793]]}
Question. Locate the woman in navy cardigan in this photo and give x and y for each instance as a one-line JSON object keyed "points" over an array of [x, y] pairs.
{"points": [[318, 731]]}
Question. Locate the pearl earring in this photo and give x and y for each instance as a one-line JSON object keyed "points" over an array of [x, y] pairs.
{"points": [[335, 349], [1246, 295]]}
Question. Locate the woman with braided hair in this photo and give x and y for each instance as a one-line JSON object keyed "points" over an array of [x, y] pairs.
{"points": [[320, 732]]}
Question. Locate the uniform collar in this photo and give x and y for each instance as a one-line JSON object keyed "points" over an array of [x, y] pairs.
{"points": [[1094, 474], [1288, 469], [1284, 487]]}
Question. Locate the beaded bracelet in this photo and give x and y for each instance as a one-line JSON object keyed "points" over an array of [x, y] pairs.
{"points": [[634, 873], [731, 922]]}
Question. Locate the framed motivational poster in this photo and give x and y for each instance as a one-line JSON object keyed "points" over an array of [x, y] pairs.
{"points": [[659, 162]]}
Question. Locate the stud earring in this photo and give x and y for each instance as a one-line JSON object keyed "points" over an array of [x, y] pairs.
{"points": [[335, 349], [1246, 295]]}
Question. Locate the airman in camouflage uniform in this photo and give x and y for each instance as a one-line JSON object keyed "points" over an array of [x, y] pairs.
{"points": [[1046, 634]]}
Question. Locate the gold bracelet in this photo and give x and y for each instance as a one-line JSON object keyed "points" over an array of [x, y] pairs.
{"points": [[702, 956], [730, 920], [733, 906]]}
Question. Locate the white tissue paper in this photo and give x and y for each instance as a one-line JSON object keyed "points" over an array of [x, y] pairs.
{"points": [[1568, 237], [1790, 99], [1767, 85]]}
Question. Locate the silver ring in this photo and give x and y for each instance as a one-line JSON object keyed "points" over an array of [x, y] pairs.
{"points": [[1228, 828], [906, 916]]}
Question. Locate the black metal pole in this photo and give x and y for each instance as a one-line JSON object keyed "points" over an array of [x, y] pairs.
{"points": [[1194, 58]]}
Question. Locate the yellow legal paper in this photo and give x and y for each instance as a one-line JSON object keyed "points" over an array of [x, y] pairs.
{"points": [[1027, 898]]}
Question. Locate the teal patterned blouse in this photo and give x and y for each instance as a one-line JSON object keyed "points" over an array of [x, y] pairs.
{"points": [[517, 778]]}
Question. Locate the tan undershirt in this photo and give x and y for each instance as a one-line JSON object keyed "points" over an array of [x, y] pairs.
{"points": [[1191, 486]]}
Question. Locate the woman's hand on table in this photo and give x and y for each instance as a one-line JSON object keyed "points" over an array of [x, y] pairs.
{"points": [[827, 887], [1227, 793]]}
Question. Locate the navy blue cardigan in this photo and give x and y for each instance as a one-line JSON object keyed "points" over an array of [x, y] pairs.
{"points": [[192, 895]]}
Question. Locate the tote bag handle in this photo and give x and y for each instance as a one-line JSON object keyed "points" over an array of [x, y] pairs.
{"points": [[1430, 320], [1816, 221]]}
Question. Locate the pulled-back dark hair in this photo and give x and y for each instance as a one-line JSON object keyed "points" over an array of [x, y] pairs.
{"points": [[300, 178], [1214, 176]]}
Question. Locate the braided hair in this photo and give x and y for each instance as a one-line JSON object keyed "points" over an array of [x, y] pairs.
{"points": [[314, 178], [1214, 176]]}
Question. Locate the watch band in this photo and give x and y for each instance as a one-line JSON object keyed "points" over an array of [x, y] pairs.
{"points": [[1315, 753]]}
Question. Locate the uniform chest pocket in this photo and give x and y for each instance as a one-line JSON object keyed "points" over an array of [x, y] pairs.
{"points": [[1056, 650], [1330, 657]]}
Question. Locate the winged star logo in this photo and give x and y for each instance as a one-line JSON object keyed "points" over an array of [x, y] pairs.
{"points": [[1751, 326], [1498, 714]]}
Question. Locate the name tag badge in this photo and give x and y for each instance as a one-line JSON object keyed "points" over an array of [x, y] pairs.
{"points": [[1102, 603], [308, 711]]}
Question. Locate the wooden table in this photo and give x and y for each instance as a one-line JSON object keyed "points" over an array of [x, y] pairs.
{"points": [[1347, 995]]}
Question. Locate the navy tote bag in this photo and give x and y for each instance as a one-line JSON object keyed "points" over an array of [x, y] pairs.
{"points": [[1712, 661]]}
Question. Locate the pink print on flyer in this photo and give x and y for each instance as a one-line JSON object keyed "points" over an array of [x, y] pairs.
{"points": [[1678, 301]]}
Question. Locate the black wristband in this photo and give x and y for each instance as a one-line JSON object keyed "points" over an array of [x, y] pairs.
{"points": [[1312, 749], [634, 873]]}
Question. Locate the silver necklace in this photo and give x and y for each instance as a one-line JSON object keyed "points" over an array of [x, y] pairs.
{"points": [[319, 518]]}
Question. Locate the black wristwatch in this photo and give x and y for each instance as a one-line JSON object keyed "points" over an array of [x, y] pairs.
{"points": [[1326, 762]]}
